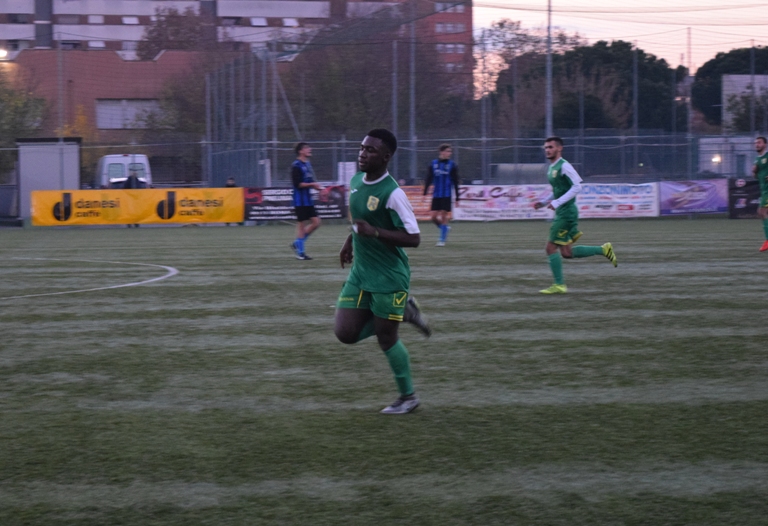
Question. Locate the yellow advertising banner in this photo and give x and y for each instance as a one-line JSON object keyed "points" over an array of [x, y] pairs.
{"points": [[145, 206]]}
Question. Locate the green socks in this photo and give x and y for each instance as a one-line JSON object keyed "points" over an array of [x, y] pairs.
{"points": [[400, 363], [586, 251], [556, 264], [765, 227]]}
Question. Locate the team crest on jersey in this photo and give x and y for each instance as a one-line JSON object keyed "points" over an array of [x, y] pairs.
{"points": [[373, 203], [765, 161]]}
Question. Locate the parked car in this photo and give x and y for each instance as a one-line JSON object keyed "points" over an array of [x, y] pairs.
{"points": [[113, 170]]}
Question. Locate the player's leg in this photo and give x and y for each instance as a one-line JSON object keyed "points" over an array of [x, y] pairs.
{"points": [[445, 220], [314, 224], [762, 211], [605, 249], [298, 243], [559, 236], [353, 320], [353, 325], [389, 310], [434, 214]]}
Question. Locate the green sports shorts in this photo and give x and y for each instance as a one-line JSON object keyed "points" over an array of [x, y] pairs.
{"points": [[387, 305], [565, 227]]}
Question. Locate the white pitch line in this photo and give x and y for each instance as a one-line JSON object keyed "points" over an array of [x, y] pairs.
{"points": [[171, 272]]}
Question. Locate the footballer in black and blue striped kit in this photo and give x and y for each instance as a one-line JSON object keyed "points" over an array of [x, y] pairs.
{"points": [[443, 173], [303, 178]]}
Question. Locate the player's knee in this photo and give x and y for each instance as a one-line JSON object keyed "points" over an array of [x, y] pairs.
{"points": [[386, 341], [345, 336]]}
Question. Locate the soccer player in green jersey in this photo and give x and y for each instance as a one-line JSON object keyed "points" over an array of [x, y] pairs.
{"points": [[374, 299], [566, 183], [760, 171]]}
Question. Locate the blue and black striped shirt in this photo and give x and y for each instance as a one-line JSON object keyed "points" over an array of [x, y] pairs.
{"points": [[301, 172], [443, 173]]}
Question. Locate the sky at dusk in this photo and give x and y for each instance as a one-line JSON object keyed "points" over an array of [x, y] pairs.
{"points": [[659, 27]]}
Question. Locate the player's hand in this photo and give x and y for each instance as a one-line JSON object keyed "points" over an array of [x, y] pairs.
{"points": [[363, 228], [318, 186], [551, 206], [345, 256], [538, 205]]}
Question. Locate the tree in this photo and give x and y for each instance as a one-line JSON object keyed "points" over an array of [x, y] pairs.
{"points": [[348, 87], [172, 29], [740, 107], [707, 86], [89, 155], [604, 72], [21, 114]]}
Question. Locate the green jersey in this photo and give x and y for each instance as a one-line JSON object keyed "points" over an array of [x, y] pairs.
{"points": [[378, 266], [566, 183], [762, 173]]}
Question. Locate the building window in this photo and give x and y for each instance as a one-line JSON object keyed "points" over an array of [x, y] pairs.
{"points": [[97, 44], [448, 7], [449, 28], [68, 19], [95, 19], [230, 21], [130, 45], [131, 20], [450, 66], [258, 21], [290, 22], [18, 45], [20, 18], [70, 44], [460, 48], [124, 114]]}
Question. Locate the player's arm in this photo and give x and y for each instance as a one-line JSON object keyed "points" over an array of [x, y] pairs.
{"points": [[544, 202], [397, 238], [345, 255], [402, 212], [297, 176], [570, 172], [455, 179], [428, 179]]}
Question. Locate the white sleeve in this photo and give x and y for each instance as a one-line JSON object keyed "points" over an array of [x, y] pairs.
{"points": [[399, 202], [570, 172]]}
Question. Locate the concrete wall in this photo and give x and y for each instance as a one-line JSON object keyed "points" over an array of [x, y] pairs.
{"points": [[45, 164]]}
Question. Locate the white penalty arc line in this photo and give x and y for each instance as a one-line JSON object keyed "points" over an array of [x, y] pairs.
{"points": [[171, 272]]}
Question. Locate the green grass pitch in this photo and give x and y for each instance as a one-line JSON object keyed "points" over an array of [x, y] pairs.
{"points": [[220, 396]]}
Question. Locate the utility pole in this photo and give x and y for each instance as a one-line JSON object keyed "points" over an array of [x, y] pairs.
{"points": [[412, 94], [273, 57], [636, 108], [60, 67], [549, 131], [690, 108], [394, 100], [752, 89], [483, 116]]}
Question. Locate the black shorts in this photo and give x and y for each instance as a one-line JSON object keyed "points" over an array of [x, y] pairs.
{"points": [[305, 213], [441, 203]]}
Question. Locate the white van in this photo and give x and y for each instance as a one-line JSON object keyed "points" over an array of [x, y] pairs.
{"points": [[113, 170]]}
